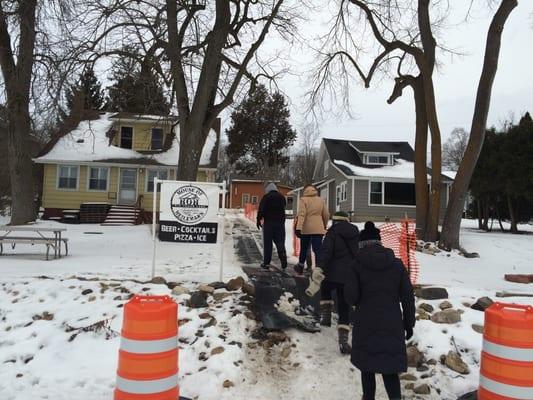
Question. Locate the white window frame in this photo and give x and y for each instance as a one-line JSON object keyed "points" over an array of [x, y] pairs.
{"points": [[344, 194], [132, 137], [89, 179], [58, 169], [326, 168], [366, 158], [146, 178], [162, 137], [382, 182], [254, 200], [247, 195]]}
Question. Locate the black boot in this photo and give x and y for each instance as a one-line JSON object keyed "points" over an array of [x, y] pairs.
{"points": [[344, 346], [326, 307]]}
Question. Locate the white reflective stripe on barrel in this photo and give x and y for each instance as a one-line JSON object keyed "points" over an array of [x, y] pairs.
{"points": [[508, 353], [147, 387], [502, 389], [148, 346]]}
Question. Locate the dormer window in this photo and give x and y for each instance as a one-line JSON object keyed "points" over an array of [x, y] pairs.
{"points": [[157, 139], [126, 137], [378, 159]]}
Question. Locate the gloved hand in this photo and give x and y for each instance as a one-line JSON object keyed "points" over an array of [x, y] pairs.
{"points": [[316, 279], [408, 333], [259, 225], [298, 233]]}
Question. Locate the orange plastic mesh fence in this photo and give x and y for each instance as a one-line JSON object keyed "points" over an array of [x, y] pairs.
{"points": [[401, 238], [250, 211]]}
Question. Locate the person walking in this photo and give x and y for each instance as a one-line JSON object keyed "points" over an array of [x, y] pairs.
{"points": [[271, 218], [313, 218], [378, 284], [337, 255]]}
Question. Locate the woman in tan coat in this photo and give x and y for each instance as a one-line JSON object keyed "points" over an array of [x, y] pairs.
{"points": [[313, 218]]}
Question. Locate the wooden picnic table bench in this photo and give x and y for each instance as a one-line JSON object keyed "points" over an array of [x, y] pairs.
{"points": [[39, 237]]}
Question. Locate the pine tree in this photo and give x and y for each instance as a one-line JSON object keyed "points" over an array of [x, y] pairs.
{"points": [[260, 134], [87, 92]]}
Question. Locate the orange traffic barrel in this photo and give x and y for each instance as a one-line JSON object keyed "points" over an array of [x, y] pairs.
{"points": [[148, 355], [507, 356]]}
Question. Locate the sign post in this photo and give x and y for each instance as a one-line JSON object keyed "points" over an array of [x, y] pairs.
{"points": [[189, 212]]}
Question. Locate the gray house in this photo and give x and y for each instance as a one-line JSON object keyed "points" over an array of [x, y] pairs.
{"points": [[369, 180]]}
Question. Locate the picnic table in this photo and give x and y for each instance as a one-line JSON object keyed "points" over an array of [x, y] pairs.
{"points": [[36, 235]]}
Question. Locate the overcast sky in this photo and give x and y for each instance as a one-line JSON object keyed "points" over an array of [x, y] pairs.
{"points": [[456, 81]]}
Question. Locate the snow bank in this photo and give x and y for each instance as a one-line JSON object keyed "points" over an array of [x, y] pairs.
{"points": [[402, 169]]}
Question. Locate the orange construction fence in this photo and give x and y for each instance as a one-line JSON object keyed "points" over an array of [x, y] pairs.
{"points": [[148, 355], [507, 356], [250, 211]]}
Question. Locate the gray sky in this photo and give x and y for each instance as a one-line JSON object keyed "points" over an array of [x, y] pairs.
{"points": [[456, 81]]}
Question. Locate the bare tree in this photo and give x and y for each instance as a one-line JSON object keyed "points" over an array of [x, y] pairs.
{"points": [[454, 149], [452, 219], [207, 51], [305, 155]]}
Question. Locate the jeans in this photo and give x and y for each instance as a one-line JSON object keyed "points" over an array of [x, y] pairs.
{"points": [[315, 241], [392, 385], [274, 232], [326, 293]]}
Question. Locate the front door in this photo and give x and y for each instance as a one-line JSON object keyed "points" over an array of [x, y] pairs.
{"points": [[128, 187]]}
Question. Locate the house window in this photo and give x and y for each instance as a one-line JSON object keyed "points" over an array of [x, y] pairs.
{"points": [[326, 166], [98, 178], [401, 194], [157, 139], [126, 137], [245, 199], [376, 193], [151, 175], [68, 177], [254, 199], [374, 159]]}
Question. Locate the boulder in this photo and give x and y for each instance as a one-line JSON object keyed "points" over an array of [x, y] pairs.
{"points": [[409, 386], [408, 377], [478, 328], [482, 304], [449, 316], [235, 284], [206, 289], [427, 307], [469, 396], [445, 305], [517, 278], [172, 285], [470, 255], [221, 296], [454, 361], [158, 280], [218, 285], [248, 289], [198, 300], [432, 293], [415, 358], [422, 389], [179, 290]]}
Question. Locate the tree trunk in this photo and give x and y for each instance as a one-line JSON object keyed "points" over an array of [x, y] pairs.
{"points": [[498, 214], [512, 214], [452, 219], [486, 215], [192, 139], [479, 214], [421, 179]]}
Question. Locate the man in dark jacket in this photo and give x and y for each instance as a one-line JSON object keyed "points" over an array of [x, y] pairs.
{"points": [[379, 283], [337, 255], [271, 217]]}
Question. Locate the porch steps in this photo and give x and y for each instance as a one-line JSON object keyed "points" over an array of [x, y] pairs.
{"points": [[123, 215]]}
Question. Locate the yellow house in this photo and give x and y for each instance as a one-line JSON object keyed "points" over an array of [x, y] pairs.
{"points": [[110, 162]]}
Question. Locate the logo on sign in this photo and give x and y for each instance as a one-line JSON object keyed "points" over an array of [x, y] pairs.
{"points": [[189, 204]]}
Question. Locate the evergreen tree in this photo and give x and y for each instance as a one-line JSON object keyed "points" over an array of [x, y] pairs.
{"points": [[260, 134], [87, 92], [137, 89]]}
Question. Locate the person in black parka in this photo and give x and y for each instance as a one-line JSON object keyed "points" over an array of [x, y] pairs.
{"points": [[271, 217], [378, 284], [337, 253]]}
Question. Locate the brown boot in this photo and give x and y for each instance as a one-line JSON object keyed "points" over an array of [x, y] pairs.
{"points": [[344, 346], [326, 307]]}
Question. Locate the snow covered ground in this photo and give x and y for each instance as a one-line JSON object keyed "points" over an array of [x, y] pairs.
{"points": [[37, 360]]}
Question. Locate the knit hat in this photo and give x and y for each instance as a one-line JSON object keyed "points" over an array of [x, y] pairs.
{"points": [[271, 187], [370, 232], [340, 216]]}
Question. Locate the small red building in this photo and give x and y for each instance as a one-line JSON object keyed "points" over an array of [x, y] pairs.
{"points": [[243, 190]]}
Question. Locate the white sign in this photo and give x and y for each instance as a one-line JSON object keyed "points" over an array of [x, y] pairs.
{"points": [[189, 212]]}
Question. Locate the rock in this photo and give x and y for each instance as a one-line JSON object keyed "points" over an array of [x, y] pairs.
{"points": [[227, 384], [212, 322], [408, 377], [478, 328], [469, 396], [449, 316], [470, 255], [422, 389], [46, 316], [426, 307], [414, 357], [454, 361], [235, 284], [86, 292], [445, 305], [422, 315], [179, 290], [217, 285], [172, 285], [431, 362], [217, 350], [286, 351], [277, 336], [206, 289], [248, 289], [482, 304], [92, 298], [409, 386], [432, 293], [158, 280], [221, 296], [422, 368], [198, 300], [204, 315]]}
